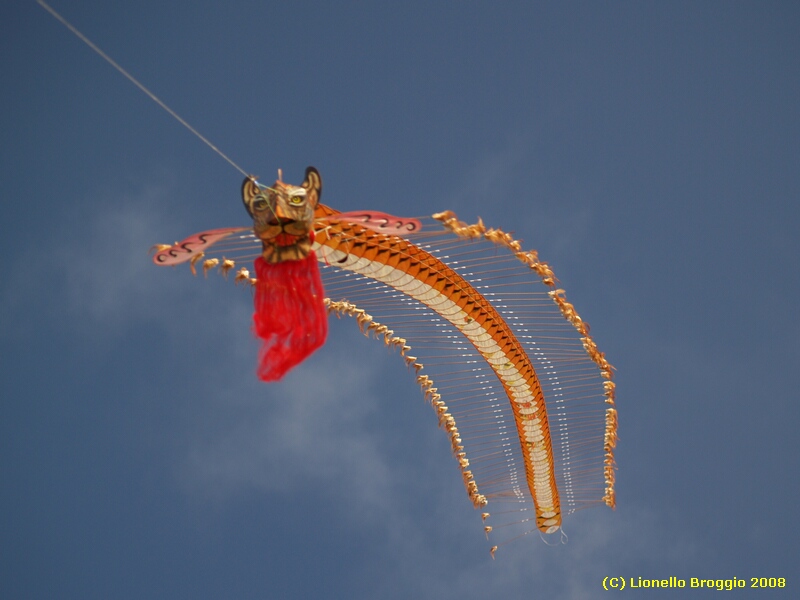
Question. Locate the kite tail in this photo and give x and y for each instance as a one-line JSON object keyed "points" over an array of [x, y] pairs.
{"points": [[290, 315]]}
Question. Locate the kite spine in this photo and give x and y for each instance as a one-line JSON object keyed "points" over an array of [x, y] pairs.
{"points": [[415, 272], [543, 270]]}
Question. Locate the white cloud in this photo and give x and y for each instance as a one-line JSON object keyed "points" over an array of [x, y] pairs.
{"points": [[283, 436]]}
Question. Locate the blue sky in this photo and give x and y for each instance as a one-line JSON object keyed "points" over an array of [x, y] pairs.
{"points": [[649, 151]]}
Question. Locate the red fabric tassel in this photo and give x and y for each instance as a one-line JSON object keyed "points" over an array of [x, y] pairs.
{"points": [[290, 316]]}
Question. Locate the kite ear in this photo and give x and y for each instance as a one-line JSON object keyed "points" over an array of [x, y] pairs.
{"points": [[249, 191], [313, 185]]}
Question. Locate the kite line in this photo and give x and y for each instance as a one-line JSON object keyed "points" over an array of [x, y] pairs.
{"points": [[138, 84]]}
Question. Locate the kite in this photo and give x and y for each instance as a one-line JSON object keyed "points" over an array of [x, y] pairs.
{"points": [[516, 380]]}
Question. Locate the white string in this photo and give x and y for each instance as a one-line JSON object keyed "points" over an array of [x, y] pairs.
{"points": [[133, 80]]}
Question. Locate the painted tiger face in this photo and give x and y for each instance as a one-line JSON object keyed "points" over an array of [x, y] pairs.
{"points": [[283, 215]]}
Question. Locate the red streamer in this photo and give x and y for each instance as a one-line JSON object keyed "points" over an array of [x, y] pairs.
{"points": [[290, 316]]}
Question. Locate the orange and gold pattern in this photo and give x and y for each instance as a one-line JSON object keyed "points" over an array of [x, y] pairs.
{"points": [[515, 378]]}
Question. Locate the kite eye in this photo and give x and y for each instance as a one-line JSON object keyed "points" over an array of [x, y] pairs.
{"points": [[260, 203], [297, 200]]}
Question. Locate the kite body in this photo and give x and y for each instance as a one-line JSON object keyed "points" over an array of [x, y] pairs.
{"points": [[516, 380]]}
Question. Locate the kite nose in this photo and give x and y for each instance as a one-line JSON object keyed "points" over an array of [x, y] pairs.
{"points": [[280, 219], [280, 215]]}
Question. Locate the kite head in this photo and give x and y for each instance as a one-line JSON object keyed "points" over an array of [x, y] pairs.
{"points": [[283, 215]]}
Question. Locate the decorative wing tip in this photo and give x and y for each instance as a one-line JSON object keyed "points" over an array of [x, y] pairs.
{"points": [[191, 247], [166, 254], [160, 252]]}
